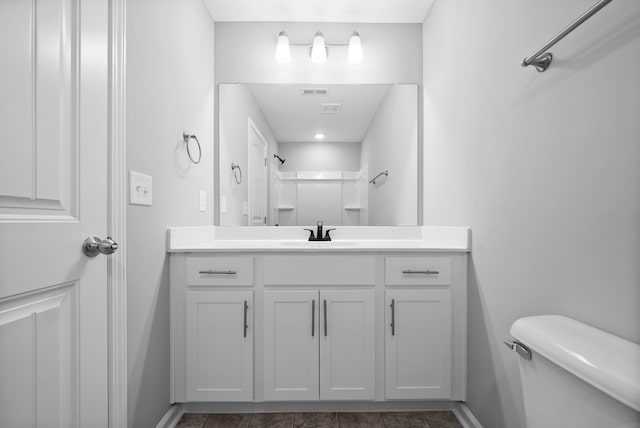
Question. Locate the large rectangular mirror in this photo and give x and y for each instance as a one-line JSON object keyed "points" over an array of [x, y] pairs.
{"points": [[291, 155]]}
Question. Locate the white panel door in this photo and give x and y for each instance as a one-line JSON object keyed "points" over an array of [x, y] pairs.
{"points": [[418, 344], [290, 332], [347, 345], [257, 177], [53, 195], [220, 345]]}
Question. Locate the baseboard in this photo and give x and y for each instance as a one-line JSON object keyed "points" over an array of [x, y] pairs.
{"points": [[172, 417], [175, 412], [317, 406], [465, 416]]}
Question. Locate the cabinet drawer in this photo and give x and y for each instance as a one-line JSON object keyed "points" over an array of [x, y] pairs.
{"points": [[430, 270], [319, 270], [212, 270]]}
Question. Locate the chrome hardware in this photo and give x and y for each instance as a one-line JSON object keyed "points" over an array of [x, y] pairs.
{"points": [[313, 318], [325, 318], [373, 180], [93, 246], [245, 325], [186, 137], [393, 317], [218, 272], [420, 272], [520, 349], [235, 168], [541, 60]]}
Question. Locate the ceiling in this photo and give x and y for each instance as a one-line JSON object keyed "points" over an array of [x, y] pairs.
{"points": [[361, 11], [294, 117]]}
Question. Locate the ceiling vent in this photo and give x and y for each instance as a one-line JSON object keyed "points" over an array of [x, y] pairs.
{"points": [[315, 92], [330, 108]]}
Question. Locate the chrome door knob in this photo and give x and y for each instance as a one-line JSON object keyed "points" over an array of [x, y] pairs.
{"points": [[93, 246]]}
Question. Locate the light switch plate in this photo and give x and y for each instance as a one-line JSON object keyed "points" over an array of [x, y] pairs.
{"points": [[203, 201], [245, 208], [140, 189], [223, 204]]}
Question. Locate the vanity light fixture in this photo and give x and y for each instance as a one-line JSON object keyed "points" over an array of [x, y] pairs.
{"points": [[283, 53], [354, 54], [319, 136], [319, 50]]}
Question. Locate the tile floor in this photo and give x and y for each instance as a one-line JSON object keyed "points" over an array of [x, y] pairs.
{"points": [[431, 419]]}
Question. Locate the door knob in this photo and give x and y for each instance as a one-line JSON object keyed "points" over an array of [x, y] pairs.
{"points": [[93, 246]]}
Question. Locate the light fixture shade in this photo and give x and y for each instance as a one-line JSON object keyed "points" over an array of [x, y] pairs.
{"points": [[319, 136], [283, 53], [318, 50], [354, 54]]}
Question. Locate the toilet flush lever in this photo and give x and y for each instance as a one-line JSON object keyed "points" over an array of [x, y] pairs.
{"points": [[520, 349]]}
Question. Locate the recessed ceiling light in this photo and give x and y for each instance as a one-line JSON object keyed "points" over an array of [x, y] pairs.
{"points": [[319, 136]]}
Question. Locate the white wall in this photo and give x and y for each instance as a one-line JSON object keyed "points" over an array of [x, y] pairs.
{"points": [[170, 89], [542, 166], [391, 144], [236, 107], [320, 156], [245, 53]]}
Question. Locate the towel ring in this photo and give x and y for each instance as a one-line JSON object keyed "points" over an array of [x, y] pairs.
{"points": [[235, 167], [186, 137]]}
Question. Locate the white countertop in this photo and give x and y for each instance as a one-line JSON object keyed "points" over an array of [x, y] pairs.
{"points": [[295, 239]]}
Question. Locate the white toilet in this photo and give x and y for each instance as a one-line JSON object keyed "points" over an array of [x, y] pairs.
{"points": [[577, 375]]}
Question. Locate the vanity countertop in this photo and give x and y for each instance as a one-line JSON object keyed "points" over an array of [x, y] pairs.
{"points": [[294, 239]]}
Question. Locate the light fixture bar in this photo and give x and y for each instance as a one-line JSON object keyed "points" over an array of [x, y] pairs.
{"points": [[319, 49]]}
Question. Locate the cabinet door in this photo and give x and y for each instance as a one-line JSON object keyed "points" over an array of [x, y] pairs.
{"points": [[219, 346], [418, 344], [290, 333], [347, 345]]}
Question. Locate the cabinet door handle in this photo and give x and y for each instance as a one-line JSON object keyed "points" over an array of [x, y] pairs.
{"points": [[420, 272], [393, 317], [217, 272], [313, 318], [325, 317], [245, 325]]}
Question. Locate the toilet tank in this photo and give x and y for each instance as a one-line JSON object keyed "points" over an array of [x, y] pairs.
{"points": [[578, 375]]}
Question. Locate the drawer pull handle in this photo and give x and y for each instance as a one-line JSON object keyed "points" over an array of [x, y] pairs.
{"points": [[313, 318], [420, 272], [245, 326], [325, 317], [218, 272], [393, 317]]}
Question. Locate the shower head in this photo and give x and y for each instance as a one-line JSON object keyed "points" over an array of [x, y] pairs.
{"points": [[282, 161]]}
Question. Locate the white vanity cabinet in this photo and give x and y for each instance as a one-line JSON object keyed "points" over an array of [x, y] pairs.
{"points": [[418, 344], [212, 328], [418, 330], [318, 325], [319, 344], [219, 345]]}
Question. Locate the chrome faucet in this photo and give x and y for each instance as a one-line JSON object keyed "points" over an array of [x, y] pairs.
{"points": [[318, 236]]}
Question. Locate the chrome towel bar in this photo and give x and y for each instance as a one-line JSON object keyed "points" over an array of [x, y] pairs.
{"points": [[541, 59], [385, 173]]}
